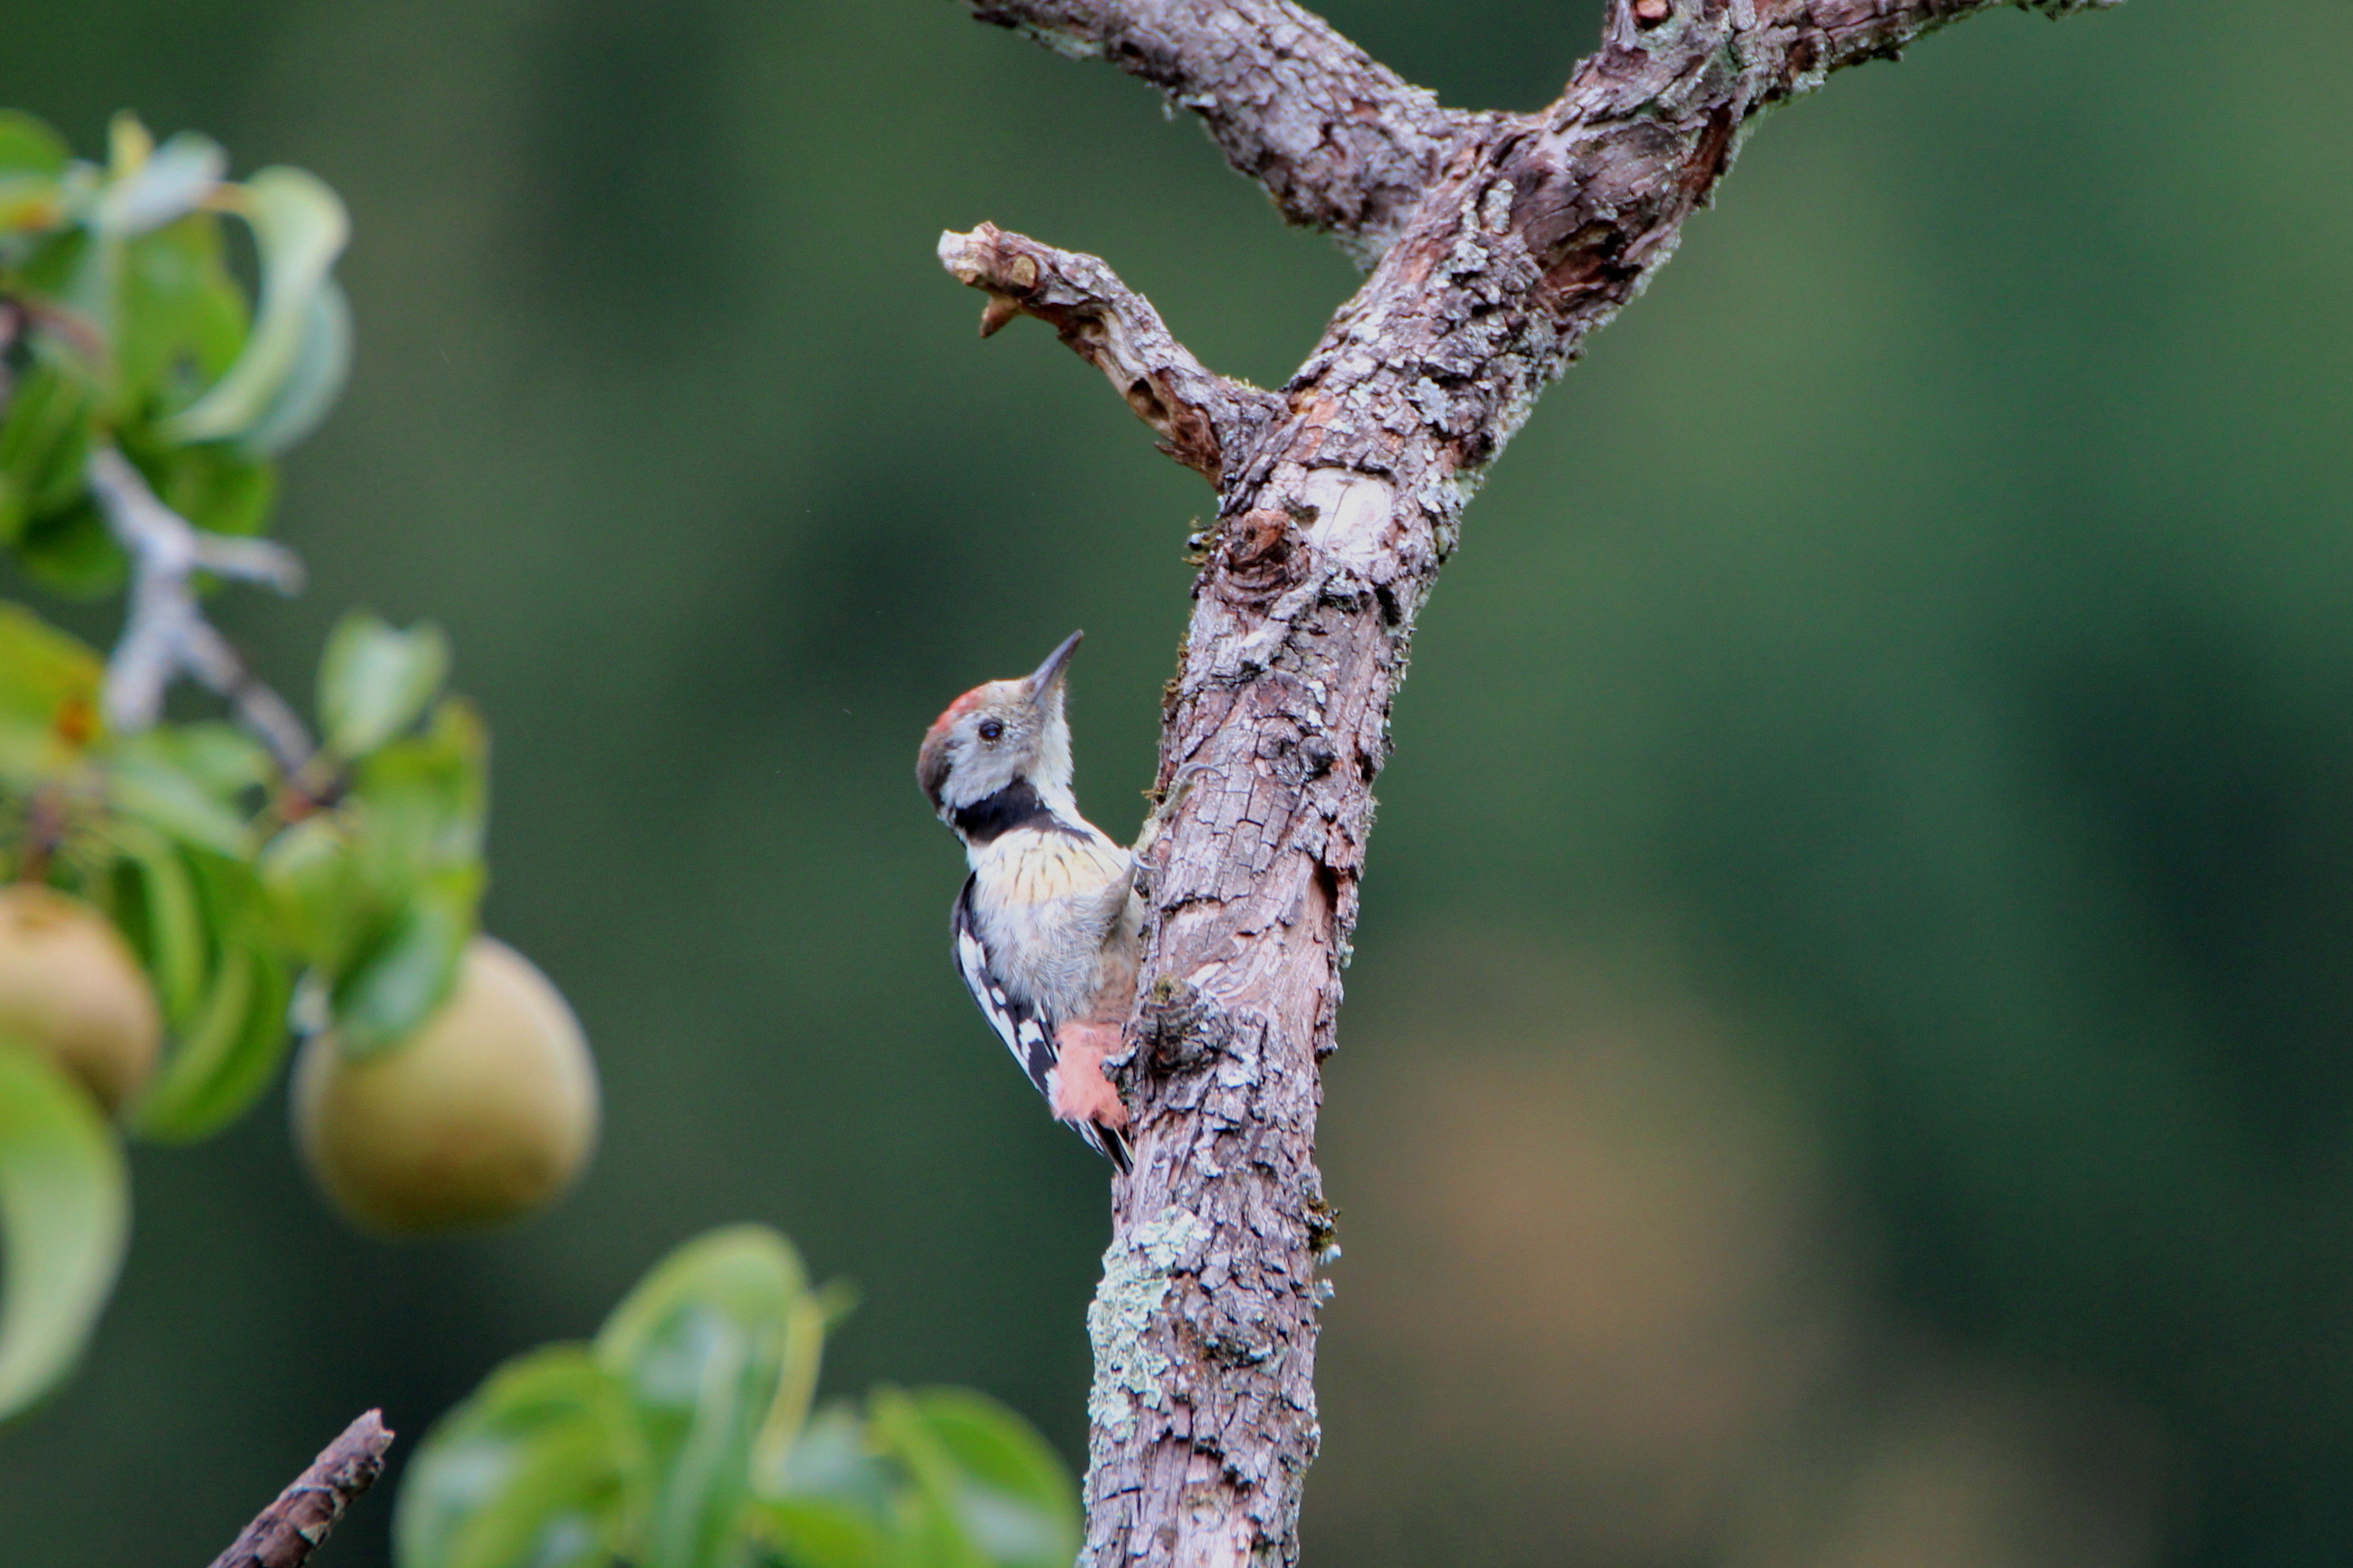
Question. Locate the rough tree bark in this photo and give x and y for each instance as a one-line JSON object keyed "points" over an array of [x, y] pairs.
{"points": [[1495, 244]]}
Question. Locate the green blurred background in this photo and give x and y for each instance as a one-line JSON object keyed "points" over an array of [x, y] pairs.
{"points": [[1850, 1054]]}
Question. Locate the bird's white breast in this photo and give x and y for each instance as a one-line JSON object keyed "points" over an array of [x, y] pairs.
{"points": [[1056, 912]]}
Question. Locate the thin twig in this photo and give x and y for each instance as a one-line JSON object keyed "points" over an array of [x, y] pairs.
{"points": [[166, 633], [284, 1534]]}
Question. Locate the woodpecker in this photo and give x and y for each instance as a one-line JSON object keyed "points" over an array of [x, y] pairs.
{"points": [[1045, 931]]}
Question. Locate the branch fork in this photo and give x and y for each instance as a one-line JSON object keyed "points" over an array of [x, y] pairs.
{"points": [[166, 635]]}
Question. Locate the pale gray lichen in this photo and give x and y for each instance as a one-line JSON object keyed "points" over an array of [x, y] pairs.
{"points": [[1129, 1372], [1432, 399]]}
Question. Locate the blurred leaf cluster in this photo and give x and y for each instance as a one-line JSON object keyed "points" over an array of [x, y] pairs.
{"points": [[378, 894], [255, 891], [238, 892], [124, 323], [682, 1436]]}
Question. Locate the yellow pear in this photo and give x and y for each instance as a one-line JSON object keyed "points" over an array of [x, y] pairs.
{"points": [[71, 989], [488, 1111]]}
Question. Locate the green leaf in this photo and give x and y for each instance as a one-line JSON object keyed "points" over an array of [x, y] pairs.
{"points": [[535, 1470], [420, 803], [832, 1505], [805, 1322], [43, 446], [401, 981], [50, 686], [227, 1057], [930, 1521], [216, 487], [746, 1274], [181, 324], [374, 680], [300, 227], [27, 145], [29, 203], [819, 1532], [215, 756], [226, 1052], [416, 813], [311, 888], [65, 1214], [323, 363], [1011, 1500], [154, 899], [32, 157], [71, 552], [380, 894], [62, 269], [699, 1344], [833, 1459], [163, 186], [187, 781], [128, 144]]}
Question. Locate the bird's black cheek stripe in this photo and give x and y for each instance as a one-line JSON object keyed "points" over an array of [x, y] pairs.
{"points": [[1015, 806]]}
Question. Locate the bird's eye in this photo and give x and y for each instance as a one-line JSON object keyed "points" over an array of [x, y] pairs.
{"points": [[990, 730]]}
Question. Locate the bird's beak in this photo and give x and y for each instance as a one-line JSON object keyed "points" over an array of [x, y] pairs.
{"points": [[1049, 675]]}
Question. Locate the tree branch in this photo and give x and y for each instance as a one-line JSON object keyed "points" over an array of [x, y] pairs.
{"points": [[1512, 238], [1200, 415], [284, 1534], [1340, 142], [166, 635]]}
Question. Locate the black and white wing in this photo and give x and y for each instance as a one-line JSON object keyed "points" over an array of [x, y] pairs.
{"points": [[1016, 1023]]}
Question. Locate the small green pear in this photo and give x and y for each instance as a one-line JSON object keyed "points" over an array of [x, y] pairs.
{"points": [[486, 1114], [71, 989]]}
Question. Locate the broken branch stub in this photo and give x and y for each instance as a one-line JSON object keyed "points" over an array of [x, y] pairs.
{"points": [[1199, 414]]}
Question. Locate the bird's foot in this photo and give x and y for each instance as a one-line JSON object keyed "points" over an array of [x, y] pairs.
{"points": [[1077, 1088]]}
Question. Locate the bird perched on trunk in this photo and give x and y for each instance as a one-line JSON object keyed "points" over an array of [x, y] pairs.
{"points": [[1046, 928]]}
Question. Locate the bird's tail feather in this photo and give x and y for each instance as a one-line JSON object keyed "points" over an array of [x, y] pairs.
{"points": [[1111, 1143]]}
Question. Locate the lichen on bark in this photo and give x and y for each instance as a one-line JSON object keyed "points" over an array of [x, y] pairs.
{"points": [[1129, 1371]]}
